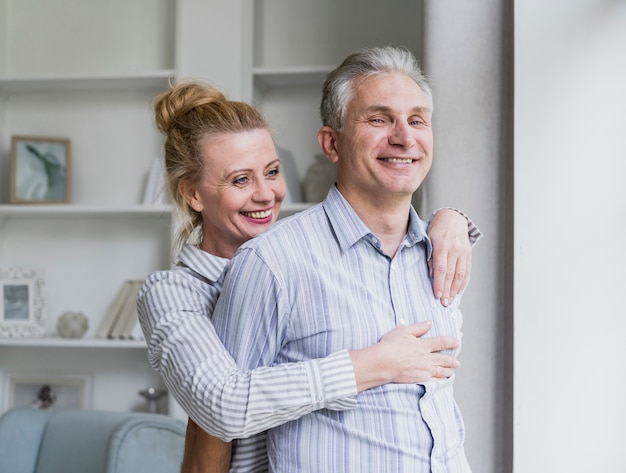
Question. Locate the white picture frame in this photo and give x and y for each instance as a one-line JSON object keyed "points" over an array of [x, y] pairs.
{"points": [[22, 303], [66, 390]]}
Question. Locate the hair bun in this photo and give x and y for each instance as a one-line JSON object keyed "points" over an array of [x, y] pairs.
{"points": [[171, 106]]}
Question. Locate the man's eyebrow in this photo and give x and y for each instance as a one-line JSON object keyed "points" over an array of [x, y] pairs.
{"points": [[377, 108], [421, 109], [384, 108]]}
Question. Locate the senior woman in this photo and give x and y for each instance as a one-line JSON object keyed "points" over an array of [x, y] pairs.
{"points": [[224, 176]]}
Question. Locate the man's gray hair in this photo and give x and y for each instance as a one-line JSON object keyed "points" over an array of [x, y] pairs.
{"points": [[341, 83]]}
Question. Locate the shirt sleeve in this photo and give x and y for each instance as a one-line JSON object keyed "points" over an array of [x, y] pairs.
{"points": [[252, 313], [473, 233], [183, 346]]}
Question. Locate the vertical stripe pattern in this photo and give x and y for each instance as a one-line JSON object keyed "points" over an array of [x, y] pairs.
{"points": [[174, 311], [320, 282]]}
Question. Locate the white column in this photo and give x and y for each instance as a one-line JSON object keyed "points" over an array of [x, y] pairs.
{"points": [[570, 209], [466, 60]]}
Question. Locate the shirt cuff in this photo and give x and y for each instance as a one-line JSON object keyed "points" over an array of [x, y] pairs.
{"points": [[473, 232], [333, 385]]}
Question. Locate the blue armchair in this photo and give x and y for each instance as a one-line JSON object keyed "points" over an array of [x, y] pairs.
{"points": [[80, 441]]}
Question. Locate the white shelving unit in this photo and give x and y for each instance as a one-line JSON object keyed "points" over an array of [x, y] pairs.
{"points": [[88, 71], [85, 72], [57, 342], [294, 44], [77, 210], [155, 80]]}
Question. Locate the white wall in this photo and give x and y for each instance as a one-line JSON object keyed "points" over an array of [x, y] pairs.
{"points": [[468, 57], [570, 221]]}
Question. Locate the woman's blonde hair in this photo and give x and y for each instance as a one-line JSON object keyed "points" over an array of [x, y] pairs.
{"points": [[188, 112]]}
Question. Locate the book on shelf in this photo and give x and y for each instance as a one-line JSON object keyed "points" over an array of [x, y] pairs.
{"points": [[127, 314], [131, 317], [119, 319], [136, 333], [112, 314]]}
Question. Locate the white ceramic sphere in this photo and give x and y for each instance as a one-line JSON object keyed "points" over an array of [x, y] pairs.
{"points": [[72, 324]]}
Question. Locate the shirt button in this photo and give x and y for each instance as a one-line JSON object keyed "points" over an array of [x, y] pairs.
{"points": [[320, 398]]}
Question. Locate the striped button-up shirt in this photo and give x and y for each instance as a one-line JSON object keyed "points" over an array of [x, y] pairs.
{"points": [[319, 282], [174, 308]]}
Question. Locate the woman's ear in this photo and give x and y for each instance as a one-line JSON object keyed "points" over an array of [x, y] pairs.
{"points": [[326, 138], [188, 192]]}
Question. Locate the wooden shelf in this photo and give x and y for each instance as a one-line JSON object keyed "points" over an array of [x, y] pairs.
{"points": [[156, 80], [51, 342], [27, 210], [268, 77], [76, 210]]}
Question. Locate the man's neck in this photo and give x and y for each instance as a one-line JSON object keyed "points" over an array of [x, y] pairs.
{"points": [[387, 217]]}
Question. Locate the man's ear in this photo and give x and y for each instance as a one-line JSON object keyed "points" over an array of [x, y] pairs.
{"points": [[188, 192], [326, 138]]}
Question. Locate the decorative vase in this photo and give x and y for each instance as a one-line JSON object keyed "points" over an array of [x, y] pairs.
{"points": [[320, 176], [152, 396], [72, 324]]}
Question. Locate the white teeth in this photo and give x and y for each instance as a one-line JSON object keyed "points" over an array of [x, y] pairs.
{"points": [[399, 161], [263, 214]]}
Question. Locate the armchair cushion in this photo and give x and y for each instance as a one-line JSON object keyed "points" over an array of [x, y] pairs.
{"points": [[77, 441]]}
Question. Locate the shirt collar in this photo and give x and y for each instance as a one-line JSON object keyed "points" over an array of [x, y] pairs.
{"points": [[349, 228], [201, 262]]}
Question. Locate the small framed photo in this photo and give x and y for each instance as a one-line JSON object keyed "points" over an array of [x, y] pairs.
{"points": [[22, 303], [40, 170], [48, 390]]}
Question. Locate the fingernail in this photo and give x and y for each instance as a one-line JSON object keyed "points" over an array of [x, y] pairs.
{"points": [[446, 302], [439, 294]]}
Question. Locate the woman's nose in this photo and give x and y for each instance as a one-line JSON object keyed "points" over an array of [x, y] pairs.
{"points": [[263, 192]]}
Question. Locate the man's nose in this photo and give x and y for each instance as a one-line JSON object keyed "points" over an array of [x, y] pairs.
{"points": [[401, 134]]}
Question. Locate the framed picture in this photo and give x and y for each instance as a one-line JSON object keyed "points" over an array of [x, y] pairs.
{"points": [[22, 303], [48, 390], [40, 170]]}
